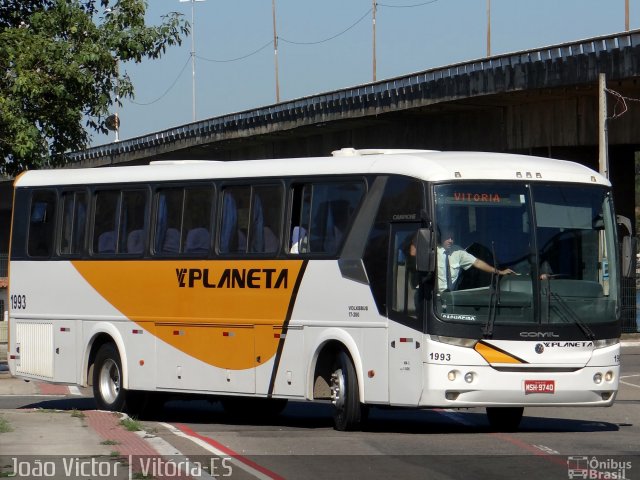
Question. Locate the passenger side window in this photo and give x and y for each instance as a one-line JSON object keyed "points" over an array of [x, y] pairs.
{"points": [[322, 214], [251, 219], [405, 293], [41, 224], [74, 220], [132, 222], [119, 222], [183, 221]]}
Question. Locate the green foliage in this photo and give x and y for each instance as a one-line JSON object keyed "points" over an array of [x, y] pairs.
{"points": [[59, 64], [4, 426], [131, 424]]}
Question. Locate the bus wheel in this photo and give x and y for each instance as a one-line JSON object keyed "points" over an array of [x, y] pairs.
{"points": [[344, 394], [107, 379], [504, 419]]}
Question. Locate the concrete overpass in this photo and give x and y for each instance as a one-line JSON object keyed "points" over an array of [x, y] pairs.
{"points": [[542, 101], [518, 88]]}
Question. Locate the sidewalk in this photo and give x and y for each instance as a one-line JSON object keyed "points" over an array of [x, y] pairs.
{"points": [[73, 443]]}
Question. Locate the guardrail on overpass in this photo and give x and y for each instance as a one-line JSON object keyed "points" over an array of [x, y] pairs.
{"points": [[417, 89]]}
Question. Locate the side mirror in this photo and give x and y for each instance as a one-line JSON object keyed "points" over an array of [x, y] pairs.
{"points": [[425, 251], [626, 262], [628, 248]]}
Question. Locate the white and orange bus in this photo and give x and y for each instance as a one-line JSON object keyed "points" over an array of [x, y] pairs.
{"points": [[256, 282]]}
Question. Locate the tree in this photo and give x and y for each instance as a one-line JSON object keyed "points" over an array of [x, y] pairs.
{"points": [[60, 62]]}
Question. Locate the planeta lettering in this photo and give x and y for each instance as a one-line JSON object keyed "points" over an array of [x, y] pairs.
{"points": [[232, 278]]}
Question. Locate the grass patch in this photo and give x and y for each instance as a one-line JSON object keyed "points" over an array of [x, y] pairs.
{"points": [[77, 414], [140, 476], [4, 426], [131, 424], [110, 442]]}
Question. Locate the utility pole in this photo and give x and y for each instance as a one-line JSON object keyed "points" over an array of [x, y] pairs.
{"points": [[374, 7], [603, 147], [626, 15], [193, 58], [275, 49], [488, 28]]}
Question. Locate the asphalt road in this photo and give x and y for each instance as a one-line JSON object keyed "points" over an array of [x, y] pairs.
{"points": [[553, 443]]}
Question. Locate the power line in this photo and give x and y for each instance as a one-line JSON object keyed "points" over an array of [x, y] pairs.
{"points": [[167, 90], [406, 6], [269, 43], [332, 37], [621, 101]]}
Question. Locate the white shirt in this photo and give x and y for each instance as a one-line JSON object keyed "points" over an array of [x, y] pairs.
{"points": [[458, 259]]}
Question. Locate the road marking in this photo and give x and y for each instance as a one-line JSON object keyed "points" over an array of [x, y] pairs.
{"points": [[546, 449], [628, 383], [222, 451], [169, 452], [547, 453], [73, 390]]}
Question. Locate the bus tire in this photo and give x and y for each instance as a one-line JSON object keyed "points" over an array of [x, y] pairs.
{"points": [[504, 419], [345, 394], [107, 379]]}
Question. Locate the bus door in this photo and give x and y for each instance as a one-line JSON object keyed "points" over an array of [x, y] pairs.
{"points": [[404, 300]]}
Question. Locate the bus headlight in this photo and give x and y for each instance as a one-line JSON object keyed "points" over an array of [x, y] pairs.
{"points": [[608, 376], [451, 375], [606, 342], [597, 378], [469, 377]]}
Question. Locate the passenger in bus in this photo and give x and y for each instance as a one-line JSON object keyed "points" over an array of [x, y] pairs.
{"points": [[453, 258]]}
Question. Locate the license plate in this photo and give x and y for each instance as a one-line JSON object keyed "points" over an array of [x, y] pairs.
{"points": [[539, 386]]}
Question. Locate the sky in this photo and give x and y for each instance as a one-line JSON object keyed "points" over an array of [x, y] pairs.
{"points": [[328, 45]]}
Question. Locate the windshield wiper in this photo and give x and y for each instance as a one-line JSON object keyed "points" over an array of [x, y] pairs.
{"points": [[564, 308], [494, 297]]}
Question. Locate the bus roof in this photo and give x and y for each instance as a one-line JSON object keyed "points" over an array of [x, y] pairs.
{"points": [[426, 165]]}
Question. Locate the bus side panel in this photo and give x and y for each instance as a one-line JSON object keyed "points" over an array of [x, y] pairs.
{"points": [[333, 308], [46, 322], [289, 378]]}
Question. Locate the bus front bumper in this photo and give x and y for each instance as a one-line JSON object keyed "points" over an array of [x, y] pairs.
{"points": [[480, 386]]}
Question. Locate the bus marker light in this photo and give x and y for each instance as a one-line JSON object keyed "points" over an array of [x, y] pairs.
{"points": [[178, 332], [228, 334], [141, 362], [371, 373], [136, 332], [597, 378], [65, 329], [608, 376], [406, 340]]}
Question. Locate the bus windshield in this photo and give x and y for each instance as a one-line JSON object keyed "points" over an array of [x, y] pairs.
{"points": [[549, 254]]}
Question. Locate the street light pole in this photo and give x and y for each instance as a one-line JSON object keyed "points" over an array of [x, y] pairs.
{"points": [[193, 57], [275, 49], [373, 25]]}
